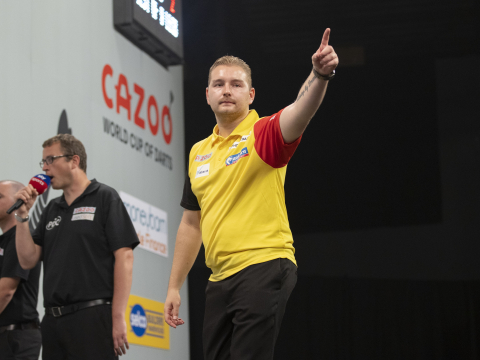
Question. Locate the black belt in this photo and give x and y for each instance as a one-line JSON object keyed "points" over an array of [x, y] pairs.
{"points": [[57, 311], [21, 326]]}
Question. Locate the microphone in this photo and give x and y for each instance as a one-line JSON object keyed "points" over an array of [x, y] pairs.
{"points": [[40, 183]]}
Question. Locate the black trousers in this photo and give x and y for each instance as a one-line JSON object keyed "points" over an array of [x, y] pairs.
{"points": [[20, 344], [83, 335], [243, 313]]}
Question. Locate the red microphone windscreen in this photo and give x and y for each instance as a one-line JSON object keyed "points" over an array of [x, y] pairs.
{"points": [[40, 183]]}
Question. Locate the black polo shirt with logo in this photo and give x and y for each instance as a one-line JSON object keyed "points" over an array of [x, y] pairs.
{"points": [[23, 305], [78, 242]]}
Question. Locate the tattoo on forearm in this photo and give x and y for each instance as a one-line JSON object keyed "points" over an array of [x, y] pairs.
{"points": [[307, 86]]}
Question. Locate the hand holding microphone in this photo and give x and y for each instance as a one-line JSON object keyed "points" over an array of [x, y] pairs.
{"points": [[37, 186]]}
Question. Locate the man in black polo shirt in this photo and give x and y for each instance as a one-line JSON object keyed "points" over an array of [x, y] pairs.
{"points": [[20, 336], [86, 240]]}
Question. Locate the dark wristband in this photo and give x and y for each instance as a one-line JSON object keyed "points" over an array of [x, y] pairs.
{"points": [[324, 77]]}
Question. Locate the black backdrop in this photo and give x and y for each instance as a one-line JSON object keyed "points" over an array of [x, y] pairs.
{"points": [[382, 193], [350, 318]]}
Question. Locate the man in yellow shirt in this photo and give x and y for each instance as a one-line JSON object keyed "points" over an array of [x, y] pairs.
{"points": [[234, 201]]}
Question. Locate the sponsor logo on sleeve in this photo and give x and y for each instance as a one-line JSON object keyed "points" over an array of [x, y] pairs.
{"points": [[202, 170], [233, 159], [54, 223], [273, 117], [201, 158]]}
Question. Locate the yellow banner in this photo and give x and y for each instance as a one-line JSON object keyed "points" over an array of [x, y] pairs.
{"points": [[146, 323]]}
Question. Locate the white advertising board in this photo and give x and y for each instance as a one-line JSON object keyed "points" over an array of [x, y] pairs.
{"points": [[150, 223]]}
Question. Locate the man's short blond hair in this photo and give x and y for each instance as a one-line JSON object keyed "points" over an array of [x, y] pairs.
{"points": [[229, 60]]}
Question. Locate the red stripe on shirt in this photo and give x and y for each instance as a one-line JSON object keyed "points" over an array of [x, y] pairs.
{"points": [[269, 142]]}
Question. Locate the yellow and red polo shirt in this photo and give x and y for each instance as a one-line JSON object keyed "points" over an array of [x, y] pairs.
{"points": [[237, 183]]}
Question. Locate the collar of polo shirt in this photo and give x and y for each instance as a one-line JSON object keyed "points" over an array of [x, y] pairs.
{"points": [[245, 125]]}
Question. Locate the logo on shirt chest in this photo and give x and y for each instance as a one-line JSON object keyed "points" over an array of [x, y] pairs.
{"points": [[233, 159], [54, 223], [202, 170], [84, 210], [236, 143], [1, 252], [201, 158], [84, 213]]}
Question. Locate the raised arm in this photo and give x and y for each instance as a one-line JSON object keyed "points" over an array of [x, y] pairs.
{"points": [[28, 252], [189, 240], [295, 117]]}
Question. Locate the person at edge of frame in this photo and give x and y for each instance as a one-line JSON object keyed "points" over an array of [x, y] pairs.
{"points": [[234, 201], [86, 239], [20, 336]]}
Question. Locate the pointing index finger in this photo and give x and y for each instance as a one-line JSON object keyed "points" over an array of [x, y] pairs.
{"points": [[326, 37]]}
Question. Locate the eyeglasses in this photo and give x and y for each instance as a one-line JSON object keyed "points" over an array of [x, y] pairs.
{"points": [[49, 159]]}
